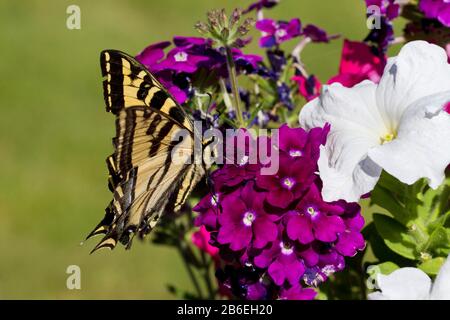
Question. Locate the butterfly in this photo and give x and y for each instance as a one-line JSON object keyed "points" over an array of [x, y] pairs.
{"points": [[145, 180]]}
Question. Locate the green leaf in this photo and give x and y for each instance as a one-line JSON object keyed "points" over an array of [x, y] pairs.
{"points": [[386, 199], [439, 239], [432, 267], [387, 267], [395, 236]]}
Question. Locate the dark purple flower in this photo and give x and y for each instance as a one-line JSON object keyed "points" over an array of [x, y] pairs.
{"points": [[297, 293], [247, 63], [258, 5], [314, 219], [436, 9], [275, 33], [299, 144], [179, 59], [317, 34], [152, 54], [182, 42], [243, 220], [309, 87], [282, 260], [381, 37], [388, 8], [277, 61], [284, 95], [351, 240], [292, 178]]}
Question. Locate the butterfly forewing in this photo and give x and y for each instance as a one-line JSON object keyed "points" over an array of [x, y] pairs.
{"points": [[144, 179]]}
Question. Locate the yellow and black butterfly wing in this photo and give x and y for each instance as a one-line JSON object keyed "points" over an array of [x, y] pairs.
{"points": [[143, 177]]}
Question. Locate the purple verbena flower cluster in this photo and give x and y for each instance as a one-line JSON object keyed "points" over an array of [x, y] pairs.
{"points": [[275, 234], [177, 69]]}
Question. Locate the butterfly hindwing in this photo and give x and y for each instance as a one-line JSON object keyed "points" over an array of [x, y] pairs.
{"points": [[145, 182]]}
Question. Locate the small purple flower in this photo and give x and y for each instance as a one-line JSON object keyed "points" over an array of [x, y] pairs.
{"points": [[381, 37], [283, 261], [259, 5], [247, 63], [437, 9], [292, 178], [388, 8], [243, 220], [275, 33], [152, 54], [351, 240], [299, 144], [181, 60], [314, 219], [317, 34], [284, 95]]}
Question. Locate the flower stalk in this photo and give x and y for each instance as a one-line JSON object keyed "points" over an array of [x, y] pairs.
{"points": [[234, 87]]}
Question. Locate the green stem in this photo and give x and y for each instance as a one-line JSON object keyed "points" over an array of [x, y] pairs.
{"points": [[190, 272], [234, 87], [206, 276]]}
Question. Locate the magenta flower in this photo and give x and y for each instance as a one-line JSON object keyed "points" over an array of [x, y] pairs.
{"points": [[166, 77], [282, 260], [436, 9], [358, 63], [152, 54], [314, 219], [317, 34], [275, 33], [293, 177], [300, 144], [201, 239], [245, 220], [181, 60], [351, 240], [309, 88]]}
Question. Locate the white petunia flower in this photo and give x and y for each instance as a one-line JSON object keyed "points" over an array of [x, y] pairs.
{"points": [[413, 284], [399, 125]]}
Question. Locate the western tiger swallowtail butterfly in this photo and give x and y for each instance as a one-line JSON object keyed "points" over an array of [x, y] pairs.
{"points": [[144, 180]]}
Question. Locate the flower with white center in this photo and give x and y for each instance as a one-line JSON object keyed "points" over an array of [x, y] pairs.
{"points": [[248, 219], [399, 125], [413, 284], [181, 56]]}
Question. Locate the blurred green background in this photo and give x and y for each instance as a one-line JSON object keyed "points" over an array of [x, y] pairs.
{"points": [[55, 135]]}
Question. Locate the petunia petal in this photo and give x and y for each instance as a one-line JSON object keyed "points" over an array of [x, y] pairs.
{"points": [[441, 287], [421, 148], [403, 284], [419, 70], [356, 126]]}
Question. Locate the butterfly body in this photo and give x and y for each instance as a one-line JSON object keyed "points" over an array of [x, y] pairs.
{"points": [[151, 127]]}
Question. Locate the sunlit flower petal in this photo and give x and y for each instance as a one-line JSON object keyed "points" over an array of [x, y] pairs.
{"points": [[403, 284]]}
